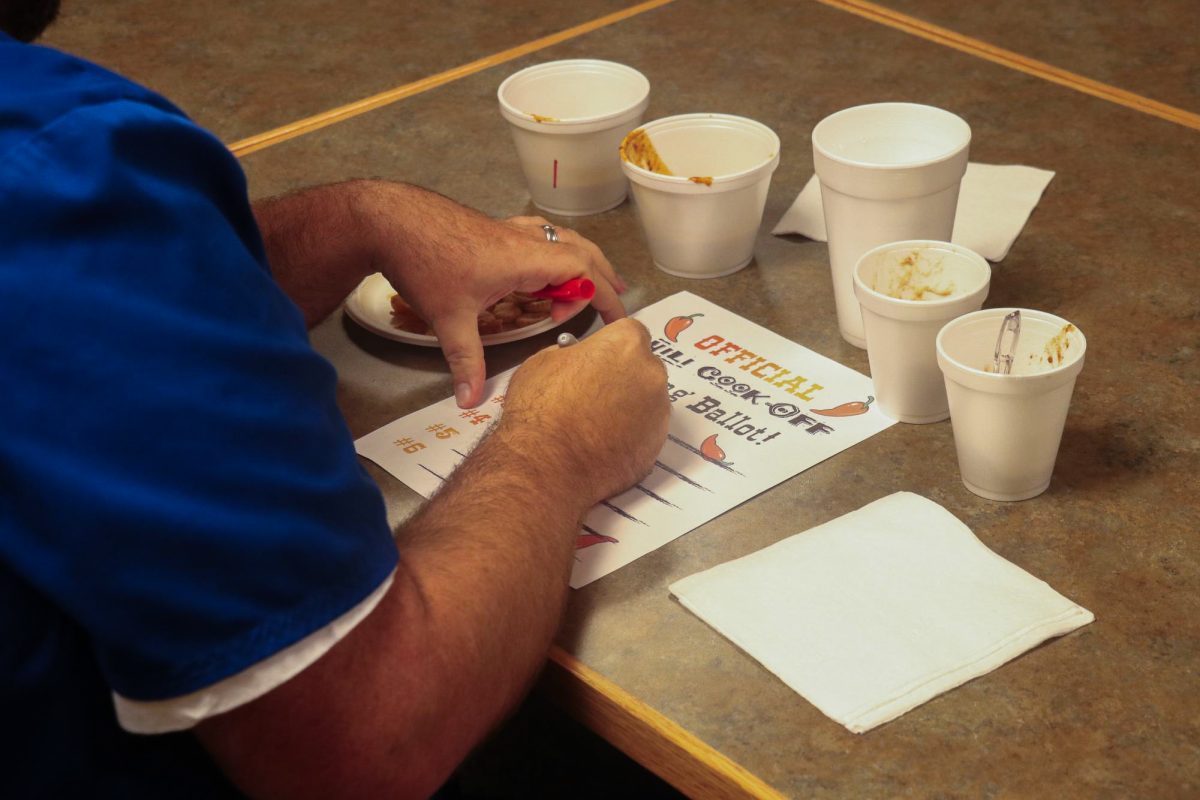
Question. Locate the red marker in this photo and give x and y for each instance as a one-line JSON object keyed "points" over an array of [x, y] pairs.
{"points": [[574, 289]]}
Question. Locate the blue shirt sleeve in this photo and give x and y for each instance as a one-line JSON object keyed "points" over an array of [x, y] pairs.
{"points": [[176, 474]]}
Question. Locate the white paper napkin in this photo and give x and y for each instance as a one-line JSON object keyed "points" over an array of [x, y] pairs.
{"points": [[878, 611], [994, 203]]}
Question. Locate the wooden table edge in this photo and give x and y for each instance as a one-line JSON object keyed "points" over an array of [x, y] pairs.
{"points": [[645, 735]]}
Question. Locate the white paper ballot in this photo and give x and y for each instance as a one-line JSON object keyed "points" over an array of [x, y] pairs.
{"points": [[748, 409]]}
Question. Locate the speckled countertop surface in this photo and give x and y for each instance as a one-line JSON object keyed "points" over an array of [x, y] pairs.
{"points": [[1152, 49], [1112, 710], [242, 68]]}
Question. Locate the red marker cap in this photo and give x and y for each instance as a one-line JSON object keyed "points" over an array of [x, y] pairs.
{"points": [[574, 289]]}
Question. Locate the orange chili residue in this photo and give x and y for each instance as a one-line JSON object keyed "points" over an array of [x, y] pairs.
{"points": [[706, 181], [540, 118], [1053, 352], [638, 150], [914, 279]]}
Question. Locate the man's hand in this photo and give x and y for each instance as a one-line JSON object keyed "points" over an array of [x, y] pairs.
{"points": [[450, 262], [597, 410]]}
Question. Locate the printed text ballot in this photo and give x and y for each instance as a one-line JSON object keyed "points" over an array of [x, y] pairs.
{"points": [[749, 409]]}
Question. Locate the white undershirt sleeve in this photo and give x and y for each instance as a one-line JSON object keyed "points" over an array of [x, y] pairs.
{"points": [[181, 713]]}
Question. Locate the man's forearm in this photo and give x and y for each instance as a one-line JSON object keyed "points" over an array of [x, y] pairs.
{"points": [[491, 555], [450, 649], [317, 244]]}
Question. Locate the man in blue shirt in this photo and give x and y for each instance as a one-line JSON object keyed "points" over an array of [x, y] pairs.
{"points": [[199, 594]]}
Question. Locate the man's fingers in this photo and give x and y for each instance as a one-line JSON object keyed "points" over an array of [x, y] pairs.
{"points": [[570, 261], [584, 257], [632, 332], [607, 303], [603, 268], [458, 335], [574, 256], [598, 265], [565, 310]]}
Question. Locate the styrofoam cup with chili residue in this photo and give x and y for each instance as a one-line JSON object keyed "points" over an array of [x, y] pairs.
{"points": [[567, 119], [888, 171], [1007, 427], [701, 200], [908, 291]]}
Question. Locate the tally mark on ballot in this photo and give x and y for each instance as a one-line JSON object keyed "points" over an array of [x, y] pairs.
{"points": [[431, 472], [654, 496], [622, 512], [681, 476]]}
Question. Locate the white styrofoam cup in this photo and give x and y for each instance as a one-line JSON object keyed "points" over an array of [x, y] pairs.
{"points": [[702, 220], [888, 172], [908, 291], [567, 120], [1007, 428]]}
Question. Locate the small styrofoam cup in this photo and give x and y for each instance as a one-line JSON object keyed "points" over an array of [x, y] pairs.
{"points": [[1007, 428], [567, 120], [702, 221], [908, 291], [888, 172]]}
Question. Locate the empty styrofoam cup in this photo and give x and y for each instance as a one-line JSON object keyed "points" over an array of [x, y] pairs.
{"points": [[701, 220], [567, 120], [1007, 428], [888, 172], [908, 291]]}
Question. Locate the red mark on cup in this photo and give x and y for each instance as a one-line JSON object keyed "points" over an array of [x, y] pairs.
{"points": [[555, 186]]}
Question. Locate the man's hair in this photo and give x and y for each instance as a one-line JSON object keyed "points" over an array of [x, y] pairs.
{"points": [[24, 20]]}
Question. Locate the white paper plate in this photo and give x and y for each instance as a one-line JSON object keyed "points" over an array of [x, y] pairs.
{"points": [[370, 305]]}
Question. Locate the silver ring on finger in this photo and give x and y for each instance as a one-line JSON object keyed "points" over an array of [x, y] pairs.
{"points": [[551, 232]]}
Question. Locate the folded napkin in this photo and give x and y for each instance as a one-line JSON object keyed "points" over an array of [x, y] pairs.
{"points": [[994, 203], [878, 611]]}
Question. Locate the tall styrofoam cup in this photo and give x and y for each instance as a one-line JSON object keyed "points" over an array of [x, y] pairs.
{"points": [[702, 220], [567, 120], [1007, 428], [908, 291], [888, 172]]}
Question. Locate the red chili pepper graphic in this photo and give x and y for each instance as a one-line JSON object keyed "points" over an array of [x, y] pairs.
{"points": [[852, 409], [678, 325], [710, 450]]}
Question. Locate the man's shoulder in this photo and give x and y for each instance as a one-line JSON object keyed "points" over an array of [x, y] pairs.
{"points": [[42, 85]]}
